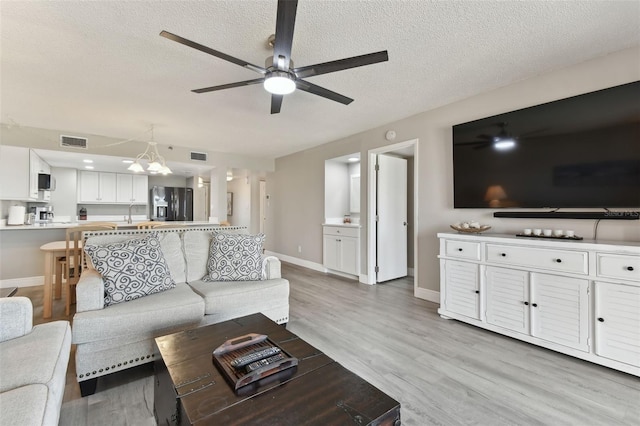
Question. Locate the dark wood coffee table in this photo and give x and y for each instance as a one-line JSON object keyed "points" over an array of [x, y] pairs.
{"points": [[190, 390]]}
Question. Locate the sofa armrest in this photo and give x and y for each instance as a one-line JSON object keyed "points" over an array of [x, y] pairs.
{"points": [[90, 291], [271, 268], [17, 317]]}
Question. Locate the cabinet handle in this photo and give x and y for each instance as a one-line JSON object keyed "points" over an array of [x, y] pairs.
{"points": [[338, 240], [459, 249], [503, 254], [601, 319], [526, 303], [535, 305], [558, 260], [629, 268], [477, 291]]}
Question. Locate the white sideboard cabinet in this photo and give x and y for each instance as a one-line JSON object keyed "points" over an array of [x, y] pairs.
{"points": [[341, 248], [578, 297]]}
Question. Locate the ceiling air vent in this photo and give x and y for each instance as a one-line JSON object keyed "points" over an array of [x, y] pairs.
{"points": [[73, 142], [199, 156]]}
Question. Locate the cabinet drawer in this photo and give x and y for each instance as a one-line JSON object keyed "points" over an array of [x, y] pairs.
{"points": [[462, 249], [618, 266], [341, 231], [549, 259]]}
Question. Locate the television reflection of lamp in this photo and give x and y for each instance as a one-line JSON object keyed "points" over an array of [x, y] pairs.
{"points": [[494, 195]]}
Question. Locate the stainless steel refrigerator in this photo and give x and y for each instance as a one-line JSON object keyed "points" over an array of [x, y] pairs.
{"points": [[171, 204]]}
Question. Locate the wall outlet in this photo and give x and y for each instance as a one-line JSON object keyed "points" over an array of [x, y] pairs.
{"points": [[299, 249]]}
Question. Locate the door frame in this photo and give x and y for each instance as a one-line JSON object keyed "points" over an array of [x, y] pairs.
{"points": [[371, 209]]}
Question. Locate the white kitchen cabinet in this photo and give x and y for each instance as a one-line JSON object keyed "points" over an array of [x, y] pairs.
{"points": [[96, 187], [19, 168], [617, 325], [132, 188], [341, 249], [580, 298]]}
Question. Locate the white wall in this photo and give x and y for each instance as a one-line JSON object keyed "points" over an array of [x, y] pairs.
{"points": [[297, 192], [241, 190]]}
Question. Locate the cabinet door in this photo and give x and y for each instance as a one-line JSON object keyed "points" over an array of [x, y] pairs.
{"points": [[462, 288], [348, 248], [34, 169], [15, 177], [559, 309], [508, 298], [330, 252], [108, 187], [88, 187], [617, 325], [124, 188], [140, 189]]}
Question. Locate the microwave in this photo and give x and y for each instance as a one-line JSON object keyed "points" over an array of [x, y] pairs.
{"points": [[46, 182]]}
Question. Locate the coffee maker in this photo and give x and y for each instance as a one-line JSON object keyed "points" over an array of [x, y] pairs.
{"points": [[43, 214]]}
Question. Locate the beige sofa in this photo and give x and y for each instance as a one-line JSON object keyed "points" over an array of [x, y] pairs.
{"points": [[121, 335], [33, 365]]}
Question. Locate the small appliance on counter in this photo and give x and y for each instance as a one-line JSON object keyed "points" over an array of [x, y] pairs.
{"points": [[16, 215], [43, 214], [82, 214]]}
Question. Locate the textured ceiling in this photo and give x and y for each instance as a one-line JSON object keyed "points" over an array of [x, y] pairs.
{"points": [[100, 67]]}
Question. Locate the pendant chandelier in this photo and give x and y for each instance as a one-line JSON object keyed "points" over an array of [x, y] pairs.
{"points": [[155, 162]]}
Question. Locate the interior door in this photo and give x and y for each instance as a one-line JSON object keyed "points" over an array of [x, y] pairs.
{"points": [[391, 226]]}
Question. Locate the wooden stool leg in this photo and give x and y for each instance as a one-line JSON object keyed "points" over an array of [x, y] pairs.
{"points": [[58, 283]]}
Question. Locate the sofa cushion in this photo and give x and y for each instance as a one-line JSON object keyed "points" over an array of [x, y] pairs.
{"points": [[235, 257], [197, 246], [131, 269], [27, 405], [170, 244], [143, 316], [41, 356], [232, 299]]}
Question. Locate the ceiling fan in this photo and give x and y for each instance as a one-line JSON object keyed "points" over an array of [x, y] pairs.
{"points": [[279, 75]]}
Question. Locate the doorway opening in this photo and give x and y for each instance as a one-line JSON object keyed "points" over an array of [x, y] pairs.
{"points": [[407, 150]]}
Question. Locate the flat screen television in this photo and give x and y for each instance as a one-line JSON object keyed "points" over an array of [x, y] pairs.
{"points": [[578, 152]]}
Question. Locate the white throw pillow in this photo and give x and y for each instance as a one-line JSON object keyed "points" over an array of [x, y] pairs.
{"points": [[235, 257], [131, 269]]}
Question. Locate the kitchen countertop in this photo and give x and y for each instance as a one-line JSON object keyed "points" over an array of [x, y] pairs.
{"points": [[344, 225], [65, 225]]}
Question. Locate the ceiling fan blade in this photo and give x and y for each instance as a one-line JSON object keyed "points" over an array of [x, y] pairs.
{"points": [[229, 86], [342, 64], [321, 91], [286, 20], [213, 52], [276, 103]]}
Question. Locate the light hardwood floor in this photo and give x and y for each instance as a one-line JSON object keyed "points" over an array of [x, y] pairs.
{"points": [[443, 372]]}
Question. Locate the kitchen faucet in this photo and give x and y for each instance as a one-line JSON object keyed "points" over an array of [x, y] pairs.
{"points": [[129, 220]]}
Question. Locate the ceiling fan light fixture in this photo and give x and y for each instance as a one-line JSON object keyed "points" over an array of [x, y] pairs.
{"points": [[279, 83]]}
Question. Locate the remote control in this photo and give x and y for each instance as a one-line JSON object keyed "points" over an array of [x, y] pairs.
{"points": [[263, 362], [253, 356]]}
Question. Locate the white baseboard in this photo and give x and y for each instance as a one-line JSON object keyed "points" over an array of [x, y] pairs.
{"points": [[22, 282], [426, 294], [364, 279], [300, 262]]}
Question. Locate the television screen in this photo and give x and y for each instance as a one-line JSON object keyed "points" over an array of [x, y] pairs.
{"points": [[582, 151]]}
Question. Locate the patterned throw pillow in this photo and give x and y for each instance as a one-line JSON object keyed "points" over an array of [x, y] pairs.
{"points": [[131, 269], [235, 257]]}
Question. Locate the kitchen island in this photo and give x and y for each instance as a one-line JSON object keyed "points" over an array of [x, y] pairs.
{"points": [[22, 261]]}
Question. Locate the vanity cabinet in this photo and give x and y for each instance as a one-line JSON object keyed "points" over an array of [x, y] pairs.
{"points": [[96, 187], [341, 249], [580, 298], [132, 188]]}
